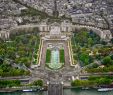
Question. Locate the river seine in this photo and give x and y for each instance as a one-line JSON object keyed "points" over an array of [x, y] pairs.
{"points": [[66, 92]]}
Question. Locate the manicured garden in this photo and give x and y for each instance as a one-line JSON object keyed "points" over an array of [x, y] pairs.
{"points": [[18, 53], [62, 56], [55, 65], [89, 50], [48, 56]]}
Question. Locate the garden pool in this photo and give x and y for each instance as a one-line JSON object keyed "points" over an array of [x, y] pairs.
{"points": [[55, 56]]}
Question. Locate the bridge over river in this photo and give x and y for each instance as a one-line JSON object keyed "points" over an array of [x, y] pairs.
{"points": [[55, 89]]}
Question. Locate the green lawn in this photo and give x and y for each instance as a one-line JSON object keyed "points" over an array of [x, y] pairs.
{"points": [[62, 58], [48, 56]]}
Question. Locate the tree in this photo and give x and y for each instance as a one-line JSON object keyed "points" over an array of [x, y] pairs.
{"points": [[90, 41], [76, 83], [38, 83], [81, 37], [107, 60], [1, 72], [2, 52], [112, 57], [79, 83], [1, 60], [103, 81], [95, 65], [85, 58]]}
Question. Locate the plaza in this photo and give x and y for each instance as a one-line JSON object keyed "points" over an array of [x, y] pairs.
{"points": [[55, 40], [56, 44]]}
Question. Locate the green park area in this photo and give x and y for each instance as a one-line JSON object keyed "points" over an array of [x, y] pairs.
{"points": [[17, 83], [62, 56], [9, 83], [48, 56], [17, 54], [93, 81], [92, 52]]}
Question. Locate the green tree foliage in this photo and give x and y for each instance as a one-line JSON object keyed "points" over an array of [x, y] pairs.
{"points": [[107, 60], [38, 83], [7, 70], [93, 81], [20, 48], [80, 83], [104, 81], [100, 70], [86, 38], [85, 58], [9, 83]]}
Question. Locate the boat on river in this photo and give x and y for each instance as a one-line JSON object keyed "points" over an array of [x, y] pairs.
{"points": [[105, 89], [29, 90]]}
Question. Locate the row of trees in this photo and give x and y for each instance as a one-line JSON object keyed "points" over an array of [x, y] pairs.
{"points": [[100, 70], [92, 81], [12, 83], [9, 83]]}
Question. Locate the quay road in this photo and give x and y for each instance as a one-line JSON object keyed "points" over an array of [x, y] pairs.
{"points": [[23, 79], [28, 78], [96, 74], [15, 78]]}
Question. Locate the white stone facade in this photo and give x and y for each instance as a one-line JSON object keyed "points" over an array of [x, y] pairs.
{"points": [[68, 27], [64, 26]]}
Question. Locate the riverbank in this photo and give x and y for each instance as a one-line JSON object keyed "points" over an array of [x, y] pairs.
{"points": [[7, 90], [65, 92], [35, 89]]}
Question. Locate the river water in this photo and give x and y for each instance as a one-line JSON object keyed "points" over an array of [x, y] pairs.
{"points": [[66, 92]]}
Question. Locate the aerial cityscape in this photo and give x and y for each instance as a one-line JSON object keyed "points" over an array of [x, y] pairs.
{"points": [[56, 47]]}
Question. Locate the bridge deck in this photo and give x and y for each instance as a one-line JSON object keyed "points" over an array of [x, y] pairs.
{"points": [[55, 89]]}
